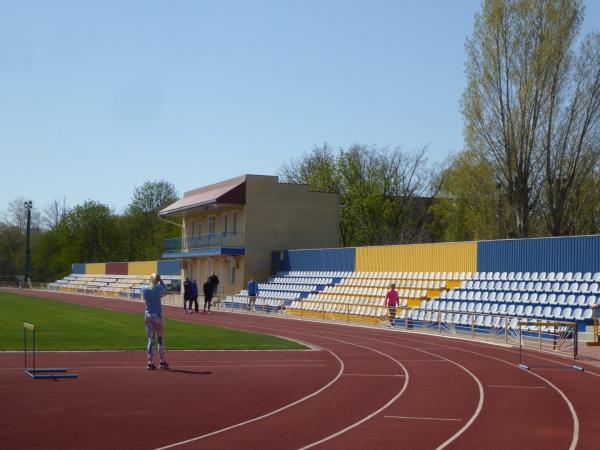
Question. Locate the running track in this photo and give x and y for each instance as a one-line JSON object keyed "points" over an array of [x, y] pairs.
{"points": [[358, 388]]}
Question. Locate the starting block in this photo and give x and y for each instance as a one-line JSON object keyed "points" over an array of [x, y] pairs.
{"points": [[34, 372]]}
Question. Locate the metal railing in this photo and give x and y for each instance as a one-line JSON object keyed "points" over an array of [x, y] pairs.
{"points": [[203, 241]]}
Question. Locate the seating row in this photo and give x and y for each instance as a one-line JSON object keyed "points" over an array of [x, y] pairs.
{"points": [[535, 276], [531, 286]]}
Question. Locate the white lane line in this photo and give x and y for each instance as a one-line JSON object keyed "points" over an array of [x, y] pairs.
{"points": [[516, 387], [373, 375], [209, 366], [574, 416], [374, 413], [421, 418], [549, 383], [423, 360], [471, 374], [255, 419]]}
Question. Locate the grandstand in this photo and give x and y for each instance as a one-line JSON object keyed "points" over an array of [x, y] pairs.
{"points": [[466, 286], [124, 286]]}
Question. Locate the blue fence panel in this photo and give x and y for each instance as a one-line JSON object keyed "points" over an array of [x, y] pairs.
{"points": [[78, 268], [169, 267], [331, 259], [562, 254]]}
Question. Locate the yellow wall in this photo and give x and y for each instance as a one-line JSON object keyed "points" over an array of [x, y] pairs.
{"points": [[142, 268], [442, 257], [95, 269]]}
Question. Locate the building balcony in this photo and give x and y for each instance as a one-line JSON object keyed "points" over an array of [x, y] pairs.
{"points": [[205, 245]]}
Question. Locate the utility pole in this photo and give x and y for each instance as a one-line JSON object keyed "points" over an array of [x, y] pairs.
{"points": [[27, 278]]}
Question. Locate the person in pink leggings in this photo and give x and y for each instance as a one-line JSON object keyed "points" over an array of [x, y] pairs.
{"points": [[154, 321]]}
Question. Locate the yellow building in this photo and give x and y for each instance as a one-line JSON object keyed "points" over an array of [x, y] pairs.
{"points": [[230, 228]]}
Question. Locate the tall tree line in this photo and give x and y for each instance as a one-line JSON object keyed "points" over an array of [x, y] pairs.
{"points": [[89, 232]]}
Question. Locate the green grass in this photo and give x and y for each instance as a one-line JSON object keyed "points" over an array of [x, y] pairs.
{"points": [[63, 326]]}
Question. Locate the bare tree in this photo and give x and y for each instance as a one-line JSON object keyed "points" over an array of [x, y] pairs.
{"points": [[54, 213], [516, 66], [571, 134]]}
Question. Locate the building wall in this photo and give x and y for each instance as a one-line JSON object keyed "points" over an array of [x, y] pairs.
{"points": [[219, 213], [562, 254], [200, 268], [442, 257], [288, 216]]}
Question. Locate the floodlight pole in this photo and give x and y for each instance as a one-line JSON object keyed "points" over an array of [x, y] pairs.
{"points": [[28, 204]]}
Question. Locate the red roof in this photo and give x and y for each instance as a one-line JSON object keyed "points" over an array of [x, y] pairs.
{"points": [[231, 191]]}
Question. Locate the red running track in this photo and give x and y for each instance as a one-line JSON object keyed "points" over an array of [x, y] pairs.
{"points": [[361, 388]]}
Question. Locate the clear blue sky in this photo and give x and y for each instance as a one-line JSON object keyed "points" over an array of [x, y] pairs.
{"points": [[97, 97]]}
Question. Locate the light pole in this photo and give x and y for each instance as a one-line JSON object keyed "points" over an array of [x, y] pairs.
{"points": [[28, 204]]}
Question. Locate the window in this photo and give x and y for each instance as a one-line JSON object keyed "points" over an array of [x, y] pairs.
{"points": [[192, 229], [232, 275], [199, 228], [234, 220], [224, 223], [211, 225]]}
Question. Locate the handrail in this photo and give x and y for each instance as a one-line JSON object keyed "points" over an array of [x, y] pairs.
{"points": [[202, 241]]}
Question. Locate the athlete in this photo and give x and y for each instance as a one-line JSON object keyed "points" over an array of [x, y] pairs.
{"points": [[153, 319], [391, 302]]}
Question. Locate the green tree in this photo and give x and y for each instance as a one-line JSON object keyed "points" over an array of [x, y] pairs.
{"points": [[529, 111], [384, 194], [470, 205], [145, 231]]}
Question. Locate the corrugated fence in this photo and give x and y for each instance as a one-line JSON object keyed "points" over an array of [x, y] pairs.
{"points": [[443, 257], [171, 267], [338, 259], [562, 254]]}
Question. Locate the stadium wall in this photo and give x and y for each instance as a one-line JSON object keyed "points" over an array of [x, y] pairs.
{"points": [[561, 254], [442, 257], [171, 267], [338, 259]]}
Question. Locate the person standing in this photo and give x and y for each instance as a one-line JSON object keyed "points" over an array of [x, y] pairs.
{"points": [[208, 295], [153, 320], [214, 280], [187, 294], [252, 293], [194, 297], [391, 302]]}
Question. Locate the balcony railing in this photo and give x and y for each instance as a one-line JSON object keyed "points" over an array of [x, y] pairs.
{"points": [[203, 241]]}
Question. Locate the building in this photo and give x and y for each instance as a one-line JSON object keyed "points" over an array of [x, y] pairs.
{"points": [[230, 228]]}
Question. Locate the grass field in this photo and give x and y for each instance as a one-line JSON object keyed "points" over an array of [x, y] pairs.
{"points": [[63, 326]]}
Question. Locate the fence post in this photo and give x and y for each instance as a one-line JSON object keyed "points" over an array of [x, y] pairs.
{"points": [[506, 329], [472, 325], [439, 321], [596, 323]]}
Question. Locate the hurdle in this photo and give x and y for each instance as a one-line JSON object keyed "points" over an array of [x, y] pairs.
{"points": [[33, 371], [559, 337]]}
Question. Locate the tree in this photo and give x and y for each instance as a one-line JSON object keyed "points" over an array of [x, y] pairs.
{"points": [[470, 205], [522, 108], [571, 145], [54, 214], [384, 194], [146, 232]]}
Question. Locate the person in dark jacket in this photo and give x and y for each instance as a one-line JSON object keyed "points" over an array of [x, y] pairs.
{"points": [[208, 295], [214, 280], [187, 294], [194, 296]]}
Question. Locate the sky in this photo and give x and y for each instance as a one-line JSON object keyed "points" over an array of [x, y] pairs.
{"points": [[98, 97]]}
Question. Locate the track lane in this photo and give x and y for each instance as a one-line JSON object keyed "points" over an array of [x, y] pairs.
{"points": [[564, 380]]}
